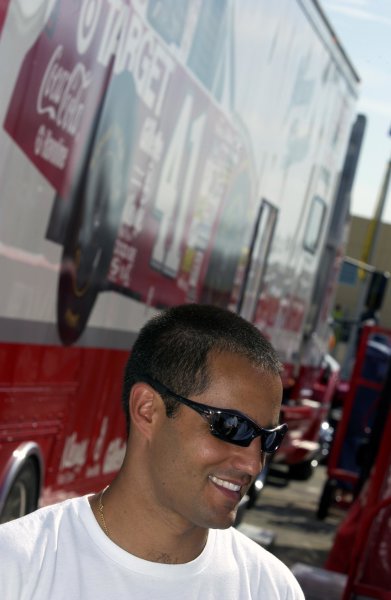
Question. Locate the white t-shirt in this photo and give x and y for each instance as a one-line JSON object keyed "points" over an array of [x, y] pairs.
{"points": [[60, 552]]}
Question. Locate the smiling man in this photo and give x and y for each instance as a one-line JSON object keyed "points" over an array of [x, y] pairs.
{"points": [[202, 395]]}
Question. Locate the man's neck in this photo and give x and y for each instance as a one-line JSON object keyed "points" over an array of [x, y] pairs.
{"points": [[132, 523]]}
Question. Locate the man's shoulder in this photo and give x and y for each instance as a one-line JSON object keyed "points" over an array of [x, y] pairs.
{"points": [[237, 539], [258, 563], [32, 540], [252, 552], [23, 535]]}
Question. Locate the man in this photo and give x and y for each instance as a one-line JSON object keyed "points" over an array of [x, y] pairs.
{"points": [[202, 395]]}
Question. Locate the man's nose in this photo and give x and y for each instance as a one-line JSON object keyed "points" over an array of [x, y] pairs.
{"points": [[250, 459]]}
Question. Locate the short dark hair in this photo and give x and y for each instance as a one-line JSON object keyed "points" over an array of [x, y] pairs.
{"points": [[173, 347]]}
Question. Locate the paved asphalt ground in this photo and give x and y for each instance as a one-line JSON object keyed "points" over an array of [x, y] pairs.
{"points": [[284, 518]]}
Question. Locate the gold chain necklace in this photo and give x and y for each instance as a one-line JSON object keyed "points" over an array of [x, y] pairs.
{"points": [[100, 508]]}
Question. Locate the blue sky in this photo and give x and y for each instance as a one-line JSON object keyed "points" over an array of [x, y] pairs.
{"points": [[364, 29]]}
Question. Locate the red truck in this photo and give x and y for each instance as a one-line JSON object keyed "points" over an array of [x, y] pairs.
{"points": [[153, 154]]}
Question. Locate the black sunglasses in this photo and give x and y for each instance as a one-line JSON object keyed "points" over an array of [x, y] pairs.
{"points": [[228, 425]]}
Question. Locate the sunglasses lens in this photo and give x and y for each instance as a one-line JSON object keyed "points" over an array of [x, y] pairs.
{"points": [[271, 440], [232, 428], [239, 430]]}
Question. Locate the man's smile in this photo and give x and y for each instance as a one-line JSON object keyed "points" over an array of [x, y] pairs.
{"points": [[225, 484]]}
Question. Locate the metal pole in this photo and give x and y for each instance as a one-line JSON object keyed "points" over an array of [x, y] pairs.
{"points": [[366, 257], [374, 226], [350, 352]]}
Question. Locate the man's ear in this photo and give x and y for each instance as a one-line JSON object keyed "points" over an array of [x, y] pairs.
{"points": [[143, 408]]}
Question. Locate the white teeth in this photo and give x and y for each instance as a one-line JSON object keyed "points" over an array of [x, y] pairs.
{"points": [[225, 484]]}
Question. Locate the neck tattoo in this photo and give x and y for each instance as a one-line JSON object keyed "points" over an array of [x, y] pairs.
{"points": [[100, 508]]}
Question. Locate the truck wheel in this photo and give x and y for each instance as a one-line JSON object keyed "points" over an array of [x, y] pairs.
{"points": [[326, 498], [255, 490], [301, 472], [22, 498]]}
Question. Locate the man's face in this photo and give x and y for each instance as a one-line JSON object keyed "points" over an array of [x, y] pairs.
{"points": [[196, 478]]}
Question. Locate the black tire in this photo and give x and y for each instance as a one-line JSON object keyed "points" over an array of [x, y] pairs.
{"points": [[326, 499], [301, 471], [252, 496], [255, 492], [22, 498]]}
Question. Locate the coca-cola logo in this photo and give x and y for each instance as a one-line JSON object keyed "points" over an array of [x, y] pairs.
{"points": [[62, 93]]}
